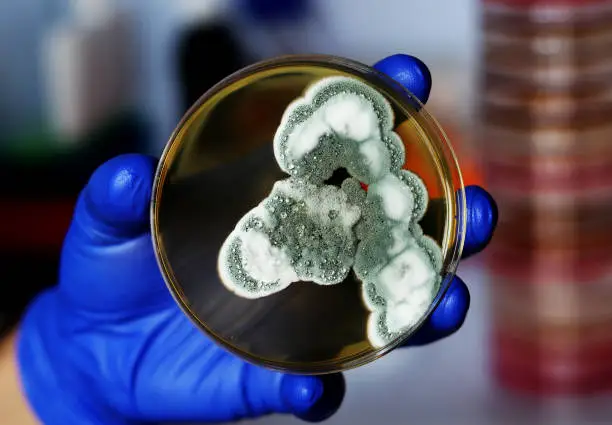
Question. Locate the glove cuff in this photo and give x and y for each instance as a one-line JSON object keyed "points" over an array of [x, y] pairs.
{"points": [[58, 389]]}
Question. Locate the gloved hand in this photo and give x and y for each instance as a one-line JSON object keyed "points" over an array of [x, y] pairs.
{"points": [[108, 345]]}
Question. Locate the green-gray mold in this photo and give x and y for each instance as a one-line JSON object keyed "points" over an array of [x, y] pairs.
{"points": [[307, 230]]}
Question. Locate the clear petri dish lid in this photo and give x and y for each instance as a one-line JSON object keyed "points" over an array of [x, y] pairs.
{"points": [[308, 214]]}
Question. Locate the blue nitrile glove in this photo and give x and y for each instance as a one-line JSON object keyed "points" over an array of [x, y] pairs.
{"points": [[108, 345]]}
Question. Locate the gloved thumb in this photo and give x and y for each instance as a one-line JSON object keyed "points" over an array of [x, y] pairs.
{"points": [[108, 263], [115, 203]]}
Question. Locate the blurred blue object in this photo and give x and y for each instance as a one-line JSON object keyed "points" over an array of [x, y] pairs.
{"points": [[276, 10]]}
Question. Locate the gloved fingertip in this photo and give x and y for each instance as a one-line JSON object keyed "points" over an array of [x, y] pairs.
{"points": [[447, 318], [118, 193], [410, 72], [452, 310], [301, 392], [482, 216], [313, 398]]}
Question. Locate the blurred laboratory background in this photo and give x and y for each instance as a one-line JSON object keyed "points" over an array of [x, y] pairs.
{"points": [[523, 89]]}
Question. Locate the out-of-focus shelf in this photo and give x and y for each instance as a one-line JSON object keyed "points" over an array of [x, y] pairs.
{"points": [[449, 383], [40, 165], [40, 180]]}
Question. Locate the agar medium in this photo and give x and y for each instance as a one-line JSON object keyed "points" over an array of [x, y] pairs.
{"points": [[308, 214]]}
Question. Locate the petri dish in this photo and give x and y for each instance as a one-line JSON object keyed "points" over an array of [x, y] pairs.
{"points": [[282, 188]]}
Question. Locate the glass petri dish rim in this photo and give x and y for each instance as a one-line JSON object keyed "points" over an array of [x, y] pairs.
{"points": [[444, 151]]}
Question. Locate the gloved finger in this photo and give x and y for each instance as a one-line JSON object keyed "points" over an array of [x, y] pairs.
{"points": [[482, 215], [447, 318], [310, 398], [108, 263], [481, 218], [256, 392], [211, 385], [410, 72]]}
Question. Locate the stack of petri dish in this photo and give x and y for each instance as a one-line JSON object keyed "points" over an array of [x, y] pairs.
{"points": [[546, 115]]}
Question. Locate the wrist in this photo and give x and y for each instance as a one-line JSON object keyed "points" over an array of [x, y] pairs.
{"points": [[58, 375], [14, 407]]}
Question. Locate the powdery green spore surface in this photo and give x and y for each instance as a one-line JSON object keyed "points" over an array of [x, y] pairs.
{"points": [[309, 231]]}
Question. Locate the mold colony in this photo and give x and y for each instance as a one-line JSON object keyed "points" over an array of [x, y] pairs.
{"points": [[308, 230]]}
